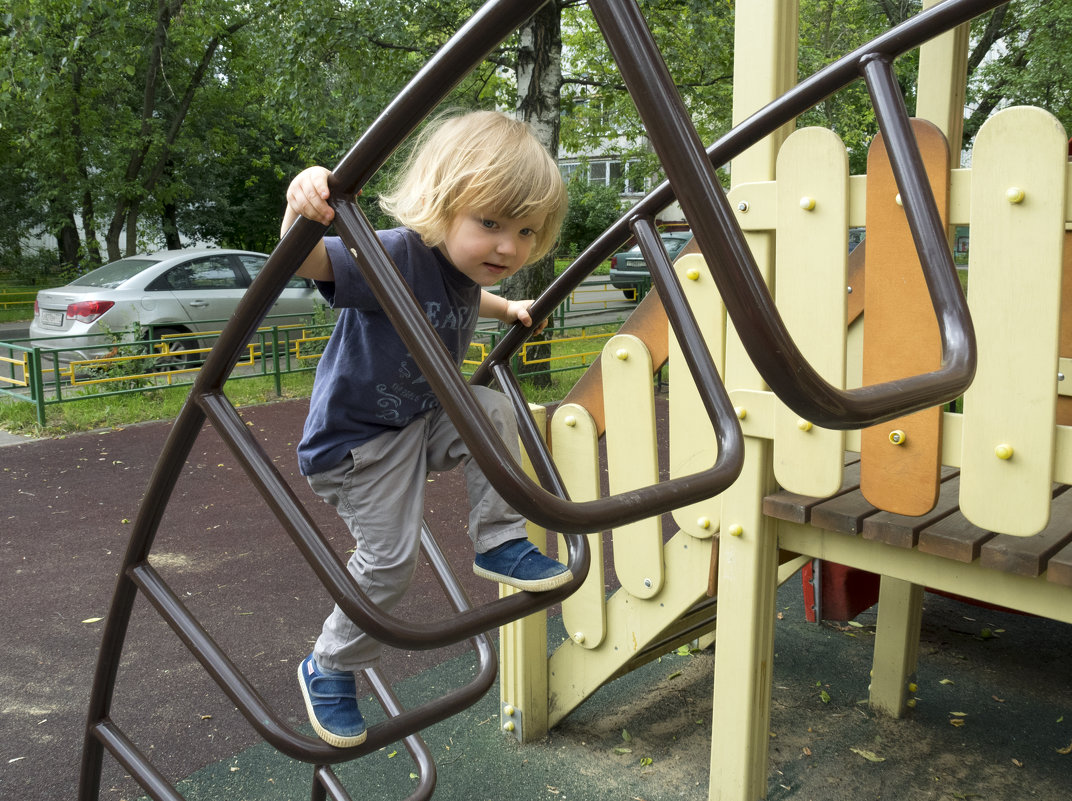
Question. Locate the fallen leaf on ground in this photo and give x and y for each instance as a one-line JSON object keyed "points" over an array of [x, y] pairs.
{"points": [[870, 756], [1064, 750]]}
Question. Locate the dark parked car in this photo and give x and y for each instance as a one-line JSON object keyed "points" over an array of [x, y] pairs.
{"points": [[629, 272]]}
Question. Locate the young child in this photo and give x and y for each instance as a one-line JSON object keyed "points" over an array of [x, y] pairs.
{"points": [[479, 198]]}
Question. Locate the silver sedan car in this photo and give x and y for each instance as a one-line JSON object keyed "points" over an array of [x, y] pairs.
{"points": [[175, 292]]}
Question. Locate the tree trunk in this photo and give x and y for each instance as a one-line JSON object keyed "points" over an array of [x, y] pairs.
{"points": [[170, 223], [68, 243], [539, 81]]}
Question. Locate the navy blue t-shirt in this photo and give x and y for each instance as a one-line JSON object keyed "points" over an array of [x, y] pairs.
{"points": [[367, 382]]}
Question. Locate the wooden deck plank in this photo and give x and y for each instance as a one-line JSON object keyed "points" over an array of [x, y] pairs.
{"points": [[1027, 556], [903, 531], [796, 508], [844, 514], [954, 537], [1059, 568]]}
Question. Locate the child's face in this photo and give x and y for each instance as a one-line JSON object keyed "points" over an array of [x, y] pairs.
{"points": [[489, 247]]}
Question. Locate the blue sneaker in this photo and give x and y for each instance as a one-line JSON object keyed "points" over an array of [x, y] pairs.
{"points": [[520, 564], [331, 701]]}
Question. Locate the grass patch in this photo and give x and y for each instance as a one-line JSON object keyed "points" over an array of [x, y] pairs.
{"points": [[91, 413], [17, 302], [572, 351], [562, 264]]}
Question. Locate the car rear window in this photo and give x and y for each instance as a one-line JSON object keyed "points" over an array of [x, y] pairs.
{"points": [[254, 264], [112, 275]]}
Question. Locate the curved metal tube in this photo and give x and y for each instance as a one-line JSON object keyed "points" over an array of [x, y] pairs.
{"points": [[746, 298], [527, 497]]}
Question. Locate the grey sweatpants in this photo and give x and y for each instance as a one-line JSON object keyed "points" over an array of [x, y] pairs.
{"points": [[378, 491]]}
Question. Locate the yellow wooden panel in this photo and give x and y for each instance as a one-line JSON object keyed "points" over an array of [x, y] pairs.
{"points": [[1017, 225], [812, 268], [523, 643], [692, 437], [575, 673], [575, 444], [632, 459]]}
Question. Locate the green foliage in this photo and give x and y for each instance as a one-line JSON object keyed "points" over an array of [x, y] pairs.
{"points": [[828, 30], [1027, 46], [128, 125], [592, 209], [696, 37]]}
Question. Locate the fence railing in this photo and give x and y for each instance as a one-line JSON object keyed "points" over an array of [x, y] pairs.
{"points": [[33, 372]]}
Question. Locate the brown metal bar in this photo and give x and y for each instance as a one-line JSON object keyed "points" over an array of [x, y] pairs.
{"points": [[906, 36], [134, 761], [748, 301], [488, 450], [738, 280], [341, 585]]}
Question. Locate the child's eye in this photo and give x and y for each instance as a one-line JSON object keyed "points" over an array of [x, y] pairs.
{"points": [[527, 232], [489, 224]]}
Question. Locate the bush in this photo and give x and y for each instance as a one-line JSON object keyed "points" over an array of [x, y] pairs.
{"points": [[592, 209]]}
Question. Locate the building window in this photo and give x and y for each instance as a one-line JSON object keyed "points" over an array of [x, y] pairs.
{"points": [[604, 172]]}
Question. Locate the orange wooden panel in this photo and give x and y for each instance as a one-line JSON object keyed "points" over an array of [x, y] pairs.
{"points": [[899, 472]]}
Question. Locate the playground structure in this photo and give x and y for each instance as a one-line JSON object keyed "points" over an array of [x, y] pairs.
{"points": [[737, 448]]}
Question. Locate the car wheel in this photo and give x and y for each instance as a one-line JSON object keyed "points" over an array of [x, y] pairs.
{"points": [[180, 351]]}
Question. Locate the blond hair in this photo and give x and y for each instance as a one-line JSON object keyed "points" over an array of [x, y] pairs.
{"points": [[482, 160]]}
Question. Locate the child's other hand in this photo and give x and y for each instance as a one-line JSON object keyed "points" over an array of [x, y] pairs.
{"points": [[308, 194], [519, 310]]}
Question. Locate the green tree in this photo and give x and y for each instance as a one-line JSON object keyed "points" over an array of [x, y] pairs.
{"points": [[592, 209], [1021, 52]]}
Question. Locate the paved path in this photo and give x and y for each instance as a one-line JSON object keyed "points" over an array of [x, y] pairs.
{"points": [[65, 507]]}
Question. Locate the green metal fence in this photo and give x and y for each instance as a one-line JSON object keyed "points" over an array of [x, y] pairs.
{"points": [[32, 371]]}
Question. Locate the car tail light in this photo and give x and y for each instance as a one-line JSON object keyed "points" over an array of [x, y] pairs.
{"points": [[614, 262], [37, 308], [86, 311]]}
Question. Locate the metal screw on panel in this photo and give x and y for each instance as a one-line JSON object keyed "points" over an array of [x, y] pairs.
{"points": [[742, 206], [897, 437]]}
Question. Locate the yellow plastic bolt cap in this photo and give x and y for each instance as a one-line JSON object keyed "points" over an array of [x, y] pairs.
{"points": [[803, 424], [508, 710], [570, 420], [912, 686], [703, 522], [807, 203], [508, 726], [693, 274], [741, 412], [911, 703], [736, 530], [1003, 451], [622, 354], [578, 637], [1014, 194], [897, 200], [898, 437]]}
